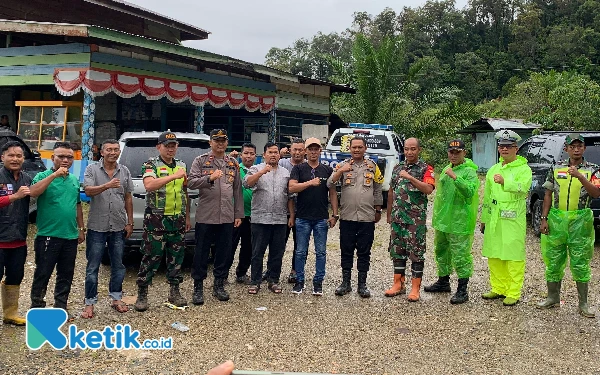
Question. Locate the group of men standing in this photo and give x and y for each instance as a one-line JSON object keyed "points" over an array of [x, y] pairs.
{"points": [[259, 205]]}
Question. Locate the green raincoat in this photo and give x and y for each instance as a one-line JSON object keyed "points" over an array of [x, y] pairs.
{"points": [[454, 218], [504, 210], [456, 201]]}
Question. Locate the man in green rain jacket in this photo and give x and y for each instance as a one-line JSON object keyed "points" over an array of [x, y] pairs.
{"points": [[503, 220], [567, 225], [454, 218]]}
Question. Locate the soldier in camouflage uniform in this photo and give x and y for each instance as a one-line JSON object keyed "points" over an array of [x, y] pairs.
{"points": [[166, 220], [412, 180]]}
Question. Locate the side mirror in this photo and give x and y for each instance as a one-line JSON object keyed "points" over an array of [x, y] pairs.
{"points": [[36, 154]]}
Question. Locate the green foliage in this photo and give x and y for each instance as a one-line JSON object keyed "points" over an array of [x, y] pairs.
{"points": [[555, 100], [478, 49]]}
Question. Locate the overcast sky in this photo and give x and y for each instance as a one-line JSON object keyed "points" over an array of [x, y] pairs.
{"points": [[246, 30]]}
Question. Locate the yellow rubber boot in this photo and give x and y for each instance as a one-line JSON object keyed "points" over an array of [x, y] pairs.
{"points": [[10, 304]]}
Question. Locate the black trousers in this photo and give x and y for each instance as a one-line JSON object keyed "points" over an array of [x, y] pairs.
{"points": [[287, 236], [12, 264], [359, 236], [242, 233], [51, 252], [263, 236], [206, 234]]}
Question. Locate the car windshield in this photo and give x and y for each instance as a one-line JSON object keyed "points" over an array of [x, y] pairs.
{"points": [[137, 151], [374, 141]]}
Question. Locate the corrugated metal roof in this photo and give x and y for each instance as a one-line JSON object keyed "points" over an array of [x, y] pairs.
{"points": [[485, 124]]}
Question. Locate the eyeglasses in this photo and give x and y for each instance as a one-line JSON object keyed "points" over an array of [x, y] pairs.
{"points": [[506, 147]]}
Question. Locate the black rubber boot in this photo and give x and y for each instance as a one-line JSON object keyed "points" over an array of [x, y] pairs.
{"points": [[553, 298], [363, 291], [142, 299], [346, 286], [461, 295], [582, 291], [175, 296], [198, 296], [442, 285], [219, 290]]}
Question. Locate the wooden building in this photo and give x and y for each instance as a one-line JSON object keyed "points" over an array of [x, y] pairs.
{"points": [[88, 70]]}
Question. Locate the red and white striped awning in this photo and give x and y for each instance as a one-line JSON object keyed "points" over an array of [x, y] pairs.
{"points": [[98, 82]]}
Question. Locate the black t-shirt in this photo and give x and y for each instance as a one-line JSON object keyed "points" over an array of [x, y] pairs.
{"points": [[312, 202]]}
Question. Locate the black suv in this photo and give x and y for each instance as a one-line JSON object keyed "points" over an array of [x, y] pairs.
{"points": [[32, 165], [541, 151]]}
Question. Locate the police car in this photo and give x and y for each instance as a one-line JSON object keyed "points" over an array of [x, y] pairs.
{"points": [[384, 147]]}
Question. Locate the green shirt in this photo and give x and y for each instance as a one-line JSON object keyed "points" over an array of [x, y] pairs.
{"points": [[57, 207], [247, 192]]}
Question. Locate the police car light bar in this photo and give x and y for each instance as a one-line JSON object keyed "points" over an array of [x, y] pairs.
{"points": [[370, 126]]}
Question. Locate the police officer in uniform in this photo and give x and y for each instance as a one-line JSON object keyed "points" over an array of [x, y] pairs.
{"points": [[567, 225], [166, 220], [216, 175], [360, 209]]}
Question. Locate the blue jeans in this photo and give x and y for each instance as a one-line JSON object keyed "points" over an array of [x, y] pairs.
{"points": [[319, 230], [95, 244]]}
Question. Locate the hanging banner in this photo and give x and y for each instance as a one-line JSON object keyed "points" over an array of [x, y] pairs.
{"points": [[98, 82]]}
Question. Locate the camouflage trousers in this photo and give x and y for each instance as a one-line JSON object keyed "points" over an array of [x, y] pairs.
{"points": [[407, 241], [162, 234]]}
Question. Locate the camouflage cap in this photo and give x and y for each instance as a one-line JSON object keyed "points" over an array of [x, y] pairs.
{"points": [[574, 137]]}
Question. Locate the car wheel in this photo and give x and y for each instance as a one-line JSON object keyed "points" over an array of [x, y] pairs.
{"points": [[536, 214]]}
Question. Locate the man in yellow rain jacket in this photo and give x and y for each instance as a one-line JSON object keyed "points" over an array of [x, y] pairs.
{"points": [[503, 220], [568, 223]]}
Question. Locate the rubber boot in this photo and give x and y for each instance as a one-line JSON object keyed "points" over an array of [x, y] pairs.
{"points": [[10, 305], [363, 290], [398, 287], [415, 290], [553, 298], [175, 296], [219, 291], [461, 295], [442, 285], [142, 299], [198, 296], [346, 286], [582, 291]]}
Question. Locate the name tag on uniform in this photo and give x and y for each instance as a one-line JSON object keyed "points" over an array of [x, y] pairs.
{"points": [[508, 214]]}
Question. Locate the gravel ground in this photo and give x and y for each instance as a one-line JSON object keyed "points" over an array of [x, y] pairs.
{"points": [[331, 334]]}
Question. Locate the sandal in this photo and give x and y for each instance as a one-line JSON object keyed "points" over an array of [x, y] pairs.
{"points": [[119, 306], [88, 312], [275, 288], [253, 289]]}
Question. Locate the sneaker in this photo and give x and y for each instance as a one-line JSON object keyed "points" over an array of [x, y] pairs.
{"points": [[317, 289], [298, 287]]}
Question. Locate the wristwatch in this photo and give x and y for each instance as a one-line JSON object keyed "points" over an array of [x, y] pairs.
{"points": [[337, 217], [82, 229], [129, 224], [544, 217], [377, 211]]}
